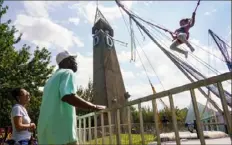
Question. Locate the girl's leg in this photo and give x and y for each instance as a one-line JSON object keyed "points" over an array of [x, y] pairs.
{"points": [[189, 45], [174, 47], [182, 37]]}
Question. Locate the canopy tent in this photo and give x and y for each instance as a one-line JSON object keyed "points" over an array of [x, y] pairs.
{"points": [[209, 113]]}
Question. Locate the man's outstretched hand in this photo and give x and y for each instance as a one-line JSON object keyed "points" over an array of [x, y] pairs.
{"points": [[100, 107]]}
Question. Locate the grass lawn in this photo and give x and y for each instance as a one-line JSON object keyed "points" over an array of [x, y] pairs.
{"points": [[136, 139]]}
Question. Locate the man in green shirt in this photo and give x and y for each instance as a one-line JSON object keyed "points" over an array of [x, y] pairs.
{"points": [[57, 118]]}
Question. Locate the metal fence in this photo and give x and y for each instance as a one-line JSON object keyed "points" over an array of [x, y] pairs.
{"points": [[97, 127]]}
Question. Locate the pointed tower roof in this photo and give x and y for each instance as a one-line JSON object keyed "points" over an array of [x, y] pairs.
{"points": [[100, 23], [98, 16]]}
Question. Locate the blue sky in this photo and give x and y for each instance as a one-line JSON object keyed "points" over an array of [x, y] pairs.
{"points": [[60, 25]]}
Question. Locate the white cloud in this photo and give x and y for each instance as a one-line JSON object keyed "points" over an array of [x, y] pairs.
{"points": [[210, 12], [115, 27], [42, 31], [40, 8], [124, 56], [206, 54], [139, 90], [38, 28], [77, 41], [214, 10], [148, 3], [85, 69], [36, 8], [207, 13], [128, 75], [228, 37], [88, 10], [75, 21]]}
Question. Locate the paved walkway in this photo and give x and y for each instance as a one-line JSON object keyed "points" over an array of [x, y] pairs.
{"points": [[218, 141], [214, 137], [189, 135]]}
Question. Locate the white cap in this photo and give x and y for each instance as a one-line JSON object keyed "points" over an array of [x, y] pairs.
{"points": [[62, 55]]}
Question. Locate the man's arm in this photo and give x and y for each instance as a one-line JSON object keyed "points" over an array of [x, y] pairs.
{"points": [[76, 101], [68, 90]]}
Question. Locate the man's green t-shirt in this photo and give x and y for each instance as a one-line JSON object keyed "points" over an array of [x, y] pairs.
{"points": [[57, 119]]}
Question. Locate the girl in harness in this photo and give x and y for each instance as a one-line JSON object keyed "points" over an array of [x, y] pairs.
{"points": [[181, 35]]}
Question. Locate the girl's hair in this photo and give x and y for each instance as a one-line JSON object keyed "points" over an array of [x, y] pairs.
{"points": [[16, 92], [185, 20]]}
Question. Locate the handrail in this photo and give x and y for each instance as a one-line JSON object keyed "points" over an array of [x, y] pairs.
{"points": [[176, 90]]}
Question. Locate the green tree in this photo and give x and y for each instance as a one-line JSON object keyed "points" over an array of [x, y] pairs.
{"points": [[134, 114], [148, 114], [166, 112], [180, 114], [86, 94], [20, 68]]}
